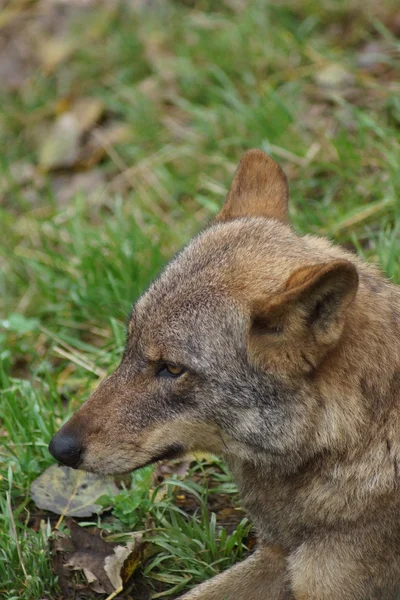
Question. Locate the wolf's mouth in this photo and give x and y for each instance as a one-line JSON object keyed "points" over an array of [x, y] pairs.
{"points": [[171, 452]]}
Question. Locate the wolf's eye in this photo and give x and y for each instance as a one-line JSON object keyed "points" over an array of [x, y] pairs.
{"points": [[169, 370]]}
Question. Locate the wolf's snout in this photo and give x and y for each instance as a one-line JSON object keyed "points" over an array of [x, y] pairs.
{"points": [[66, 448]]}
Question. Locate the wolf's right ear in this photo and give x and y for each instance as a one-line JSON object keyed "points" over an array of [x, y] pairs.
{"points": [[259, 189], [295, 328]]}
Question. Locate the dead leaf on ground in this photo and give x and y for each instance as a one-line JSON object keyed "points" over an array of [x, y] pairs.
{"points": [[88, 112], [90, 553], [107, 566], [51, 51], [69, 492], [60, 148], [334, 77]]}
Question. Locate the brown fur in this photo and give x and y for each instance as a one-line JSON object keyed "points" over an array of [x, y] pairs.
{"points": [[291, 350]]}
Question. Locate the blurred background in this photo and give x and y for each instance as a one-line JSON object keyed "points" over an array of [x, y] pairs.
{"points": [[121, 125]]}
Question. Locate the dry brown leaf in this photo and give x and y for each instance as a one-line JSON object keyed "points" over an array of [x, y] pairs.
{"points": [[52, 51], [60, 147], [90, 554], [107, 567], [88, 112], [114, 563], [334, 77]]}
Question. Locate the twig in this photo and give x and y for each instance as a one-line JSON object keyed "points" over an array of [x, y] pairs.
{"points": [[73, 352], [72, 496], [163, 156], [60, 520], [15, 534], [110, 150], [287, 155], [118, 591], [78, 361], [359, 217]]}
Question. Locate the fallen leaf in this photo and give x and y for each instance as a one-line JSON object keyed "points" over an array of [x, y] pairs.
{"points": [[89, 556], [69, 492], [114, 563], [107, 567], [52, 51], [334, 77], [60, 147], [87, 112]]}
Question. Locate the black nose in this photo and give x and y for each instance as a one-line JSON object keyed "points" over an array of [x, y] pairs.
{"points": [[66, 449]]}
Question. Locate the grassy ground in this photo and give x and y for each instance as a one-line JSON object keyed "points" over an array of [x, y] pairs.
{"points": [[185, 87]]}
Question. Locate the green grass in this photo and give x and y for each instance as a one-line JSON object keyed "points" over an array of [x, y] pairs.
{"points": [[194, 85]]}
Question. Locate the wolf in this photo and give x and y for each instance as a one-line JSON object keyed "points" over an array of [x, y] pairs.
{"points": [[281, 354]]}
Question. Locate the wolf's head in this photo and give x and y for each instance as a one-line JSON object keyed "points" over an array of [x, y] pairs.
{"points": [[222, 348]]}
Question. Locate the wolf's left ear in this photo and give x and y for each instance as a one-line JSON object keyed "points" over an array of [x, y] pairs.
{"points": [[311, 308], [259, 189]]}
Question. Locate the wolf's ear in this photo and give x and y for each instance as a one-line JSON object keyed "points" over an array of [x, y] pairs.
{"points": [[310, 310], [259, 189]]}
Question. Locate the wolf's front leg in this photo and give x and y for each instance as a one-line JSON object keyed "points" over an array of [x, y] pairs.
{"points": [[259, 577]]}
